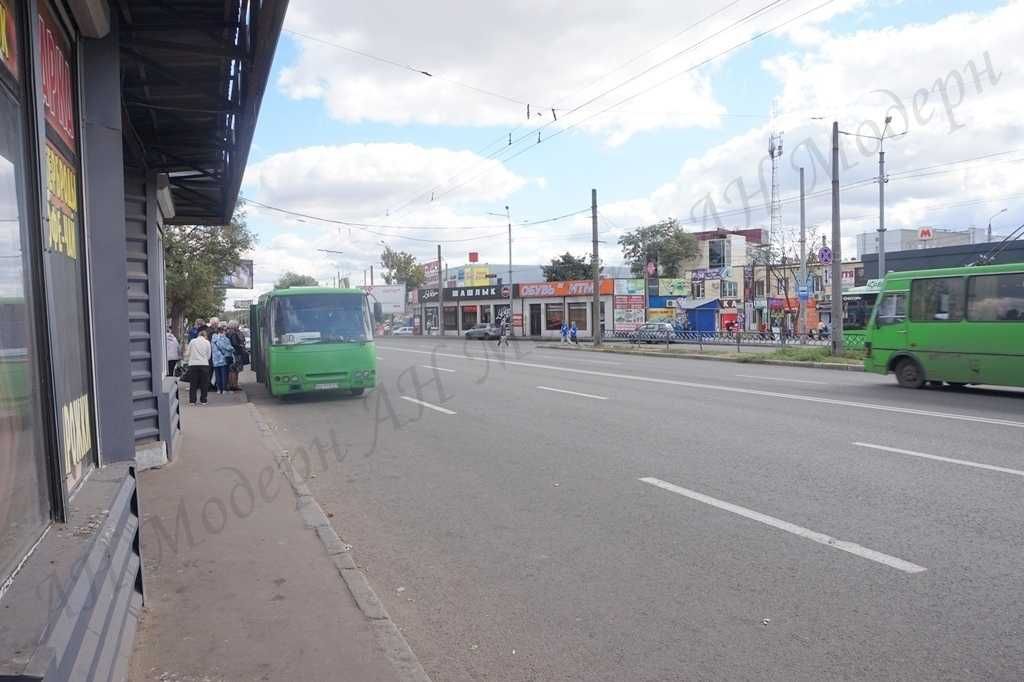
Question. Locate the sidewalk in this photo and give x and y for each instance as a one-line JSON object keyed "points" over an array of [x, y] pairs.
{"points": [[237, 587]]}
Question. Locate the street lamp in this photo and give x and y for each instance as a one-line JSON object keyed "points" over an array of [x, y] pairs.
{"points": [[508, 217], [990, 223], [881, 186]]}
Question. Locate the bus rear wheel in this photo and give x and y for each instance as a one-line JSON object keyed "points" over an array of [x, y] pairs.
{"points": [[909, 374]]}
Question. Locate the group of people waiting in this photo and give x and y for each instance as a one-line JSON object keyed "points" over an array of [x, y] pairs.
{"points": [[215, 355]]}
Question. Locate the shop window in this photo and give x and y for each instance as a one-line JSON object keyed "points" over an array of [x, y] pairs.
{"points": [[730, 289], [451, 319], [485, 313], [24, 500], [553, 316], [697, 289], [578, 314], [468, 316], [940, 299]]}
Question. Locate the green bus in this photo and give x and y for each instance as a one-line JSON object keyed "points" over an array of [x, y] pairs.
{"points": [[954, 325], [858, 302], [306, 339]]}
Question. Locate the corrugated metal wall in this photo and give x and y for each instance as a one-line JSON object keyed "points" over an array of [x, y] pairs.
{"points": [[145, 413]]}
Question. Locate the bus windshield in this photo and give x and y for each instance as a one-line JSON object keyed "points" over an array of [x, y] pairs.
{"points": [[320, 318], [857, 311]]}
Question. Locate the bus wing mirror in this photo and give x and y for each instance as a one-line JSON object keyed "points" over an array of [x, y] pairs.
{"points": [[378, 311]]}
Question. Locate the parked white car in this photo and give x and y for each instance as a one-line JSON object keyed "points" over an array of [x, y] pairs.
{"points": [[402, 331]]}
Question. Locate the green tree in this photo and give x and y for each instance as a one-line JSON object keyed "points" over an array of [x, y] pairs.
{"points": [[568, 267], [664, 243], [197, 258], [402, 268], [294, 279]]}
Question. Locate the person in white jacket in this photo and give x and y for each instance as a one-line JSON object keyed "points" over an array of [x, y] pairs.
{"points": [[199, 354], [173, 352]]}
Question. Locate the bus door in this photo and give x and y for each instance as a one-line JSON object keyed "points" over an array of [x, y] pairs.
{"points": [[938, 332], [890, 332]]}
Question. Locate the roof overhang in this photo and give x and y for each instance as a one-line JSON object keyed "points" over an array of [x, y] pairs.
{"points": [[193, 74]]}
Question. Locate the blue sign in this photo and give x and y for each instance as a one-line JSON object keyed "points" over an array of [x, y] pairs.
{"points": [[803, 293], [825, 255]]}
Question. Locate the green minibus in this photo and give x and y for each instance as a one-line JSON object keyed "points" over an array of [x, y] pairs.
{"points": [[307, 339], [960, 326]]}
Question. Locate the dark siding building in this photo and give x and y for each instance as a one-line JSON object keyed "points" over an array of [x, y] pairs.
{"points": [[116, 118], [942, 257]]}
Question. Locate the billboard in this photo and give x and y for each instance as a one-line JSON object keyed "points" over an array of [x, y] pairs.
{"points": [[579, 287], [673, 287], [243, 303], [627, 311], [629, 287], [476, 276], [390, 296], [241, 278], [432, 274]]}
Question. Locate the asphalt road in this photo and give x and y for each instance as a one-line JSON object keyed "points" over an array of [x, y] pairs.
{"points": [[506, 527]]}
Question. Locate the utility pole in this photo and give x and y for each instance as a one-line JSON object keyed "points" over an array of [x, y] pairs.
{"points": [[440, 294], [881, 186], [508, 216], [803, 259], [837, 239], [881, 204], [371, 275], [595, 266]]}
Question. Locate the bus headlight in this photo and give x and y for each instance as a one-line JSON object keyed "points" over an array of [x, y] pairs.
{"points": [[295, 379]]}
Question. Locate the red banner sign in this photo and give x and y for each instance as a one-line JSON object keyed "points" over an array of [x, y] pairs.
{"points": [[57, 86]]}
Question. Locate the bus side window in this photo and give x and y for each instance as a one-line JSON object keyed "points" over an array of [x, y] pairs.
{"points": [[892, 309]]}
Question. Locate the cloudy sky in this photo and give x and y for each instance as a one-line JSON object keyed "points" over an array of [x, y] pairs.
{"points": [[664, 107]]}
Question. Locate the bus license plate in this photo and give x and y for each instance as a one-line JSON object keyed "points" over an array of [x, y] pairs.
{"points": [[325, 387]]}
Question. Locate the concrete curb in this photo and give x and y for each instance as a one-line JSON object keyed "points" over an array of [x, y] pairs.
{"points": [[697, 356], [389, 638]]}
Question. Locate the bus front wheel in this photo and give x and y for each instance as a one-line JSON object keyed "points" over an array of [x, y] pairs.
{"points": [[909, 374]]}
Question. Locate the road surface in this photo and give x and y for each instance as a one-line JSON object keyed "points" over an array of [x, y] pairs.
{"points": [[540, 514]]}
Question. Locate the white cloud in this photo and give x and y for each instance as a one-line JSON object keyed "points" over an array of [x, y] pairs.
{"points": [[858, 79], [369, 179], [547, 54]]}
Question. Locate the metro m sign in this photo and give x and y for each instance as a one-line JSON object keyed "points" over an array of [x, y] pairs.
{"points": [[925, 233]]}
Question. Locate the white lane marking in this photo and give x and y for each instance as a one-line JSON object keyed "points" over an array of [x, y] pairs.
{"points": [[442, 410], [938, 458], [582, 395], [735, 389], [764, 378], [439, 369], [593, 362], [806, 533]]}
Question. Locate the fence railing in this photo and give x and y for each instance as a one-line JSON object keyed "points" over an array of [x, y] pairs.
{"points": [[853, 340]]}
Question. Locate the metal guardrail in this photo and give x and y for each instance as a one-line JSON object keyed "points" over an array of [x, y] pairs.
{"points": [[852, 340]]}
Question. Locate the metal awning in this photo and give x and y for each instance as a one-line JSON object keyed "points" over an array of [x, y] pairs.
{"points": [[193, 73]]}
